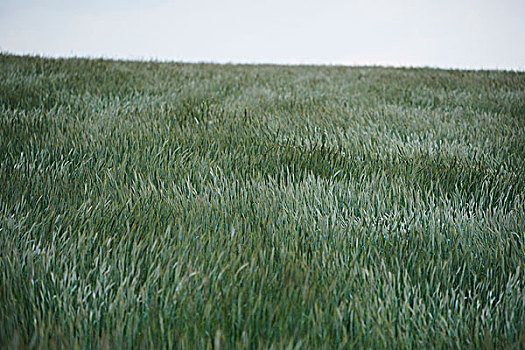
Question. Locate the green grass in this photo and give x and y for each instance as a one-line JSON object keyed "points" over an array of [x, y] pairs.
{"points": [[194, 206]]}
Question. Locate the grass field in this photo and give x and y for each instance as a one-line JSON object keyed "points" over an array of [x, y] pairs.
{"points": [[205, 206]]}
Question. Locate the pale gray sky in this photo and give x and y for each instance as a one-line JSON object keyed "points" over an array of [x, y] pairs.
{"points": [[445, 33]]}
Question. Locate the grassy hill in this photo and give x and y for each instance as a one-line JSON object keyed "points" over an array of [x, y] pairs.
{"points": [[182, 205]]}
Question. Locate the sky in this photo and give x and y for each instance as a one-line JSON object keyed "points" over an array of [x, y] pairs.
{"points": [[482, 34]]}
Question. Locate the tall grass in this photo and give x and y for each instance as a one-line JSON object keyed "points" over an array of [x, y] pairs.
{"points": [[205, 206]]}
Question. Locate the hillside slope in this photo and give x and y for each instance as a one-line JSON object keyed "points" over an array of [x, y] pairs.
{"points": [[182, 205]]}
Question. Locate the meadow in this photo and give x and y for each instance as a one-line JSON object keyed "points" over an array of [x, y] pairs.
{"points": [[171, 205]]}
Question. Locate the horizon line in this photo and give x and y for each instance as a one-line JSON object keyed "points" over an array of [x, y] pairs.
{"points": [[284, 63]]}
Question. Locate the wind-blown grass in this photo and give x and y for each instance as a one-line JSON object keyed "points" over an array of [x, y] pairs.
{"points": [[180, 205]]}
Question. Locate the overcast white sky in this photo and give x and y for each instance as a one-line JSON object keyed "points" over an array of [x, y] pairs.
{"points": [[445, 33]]}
